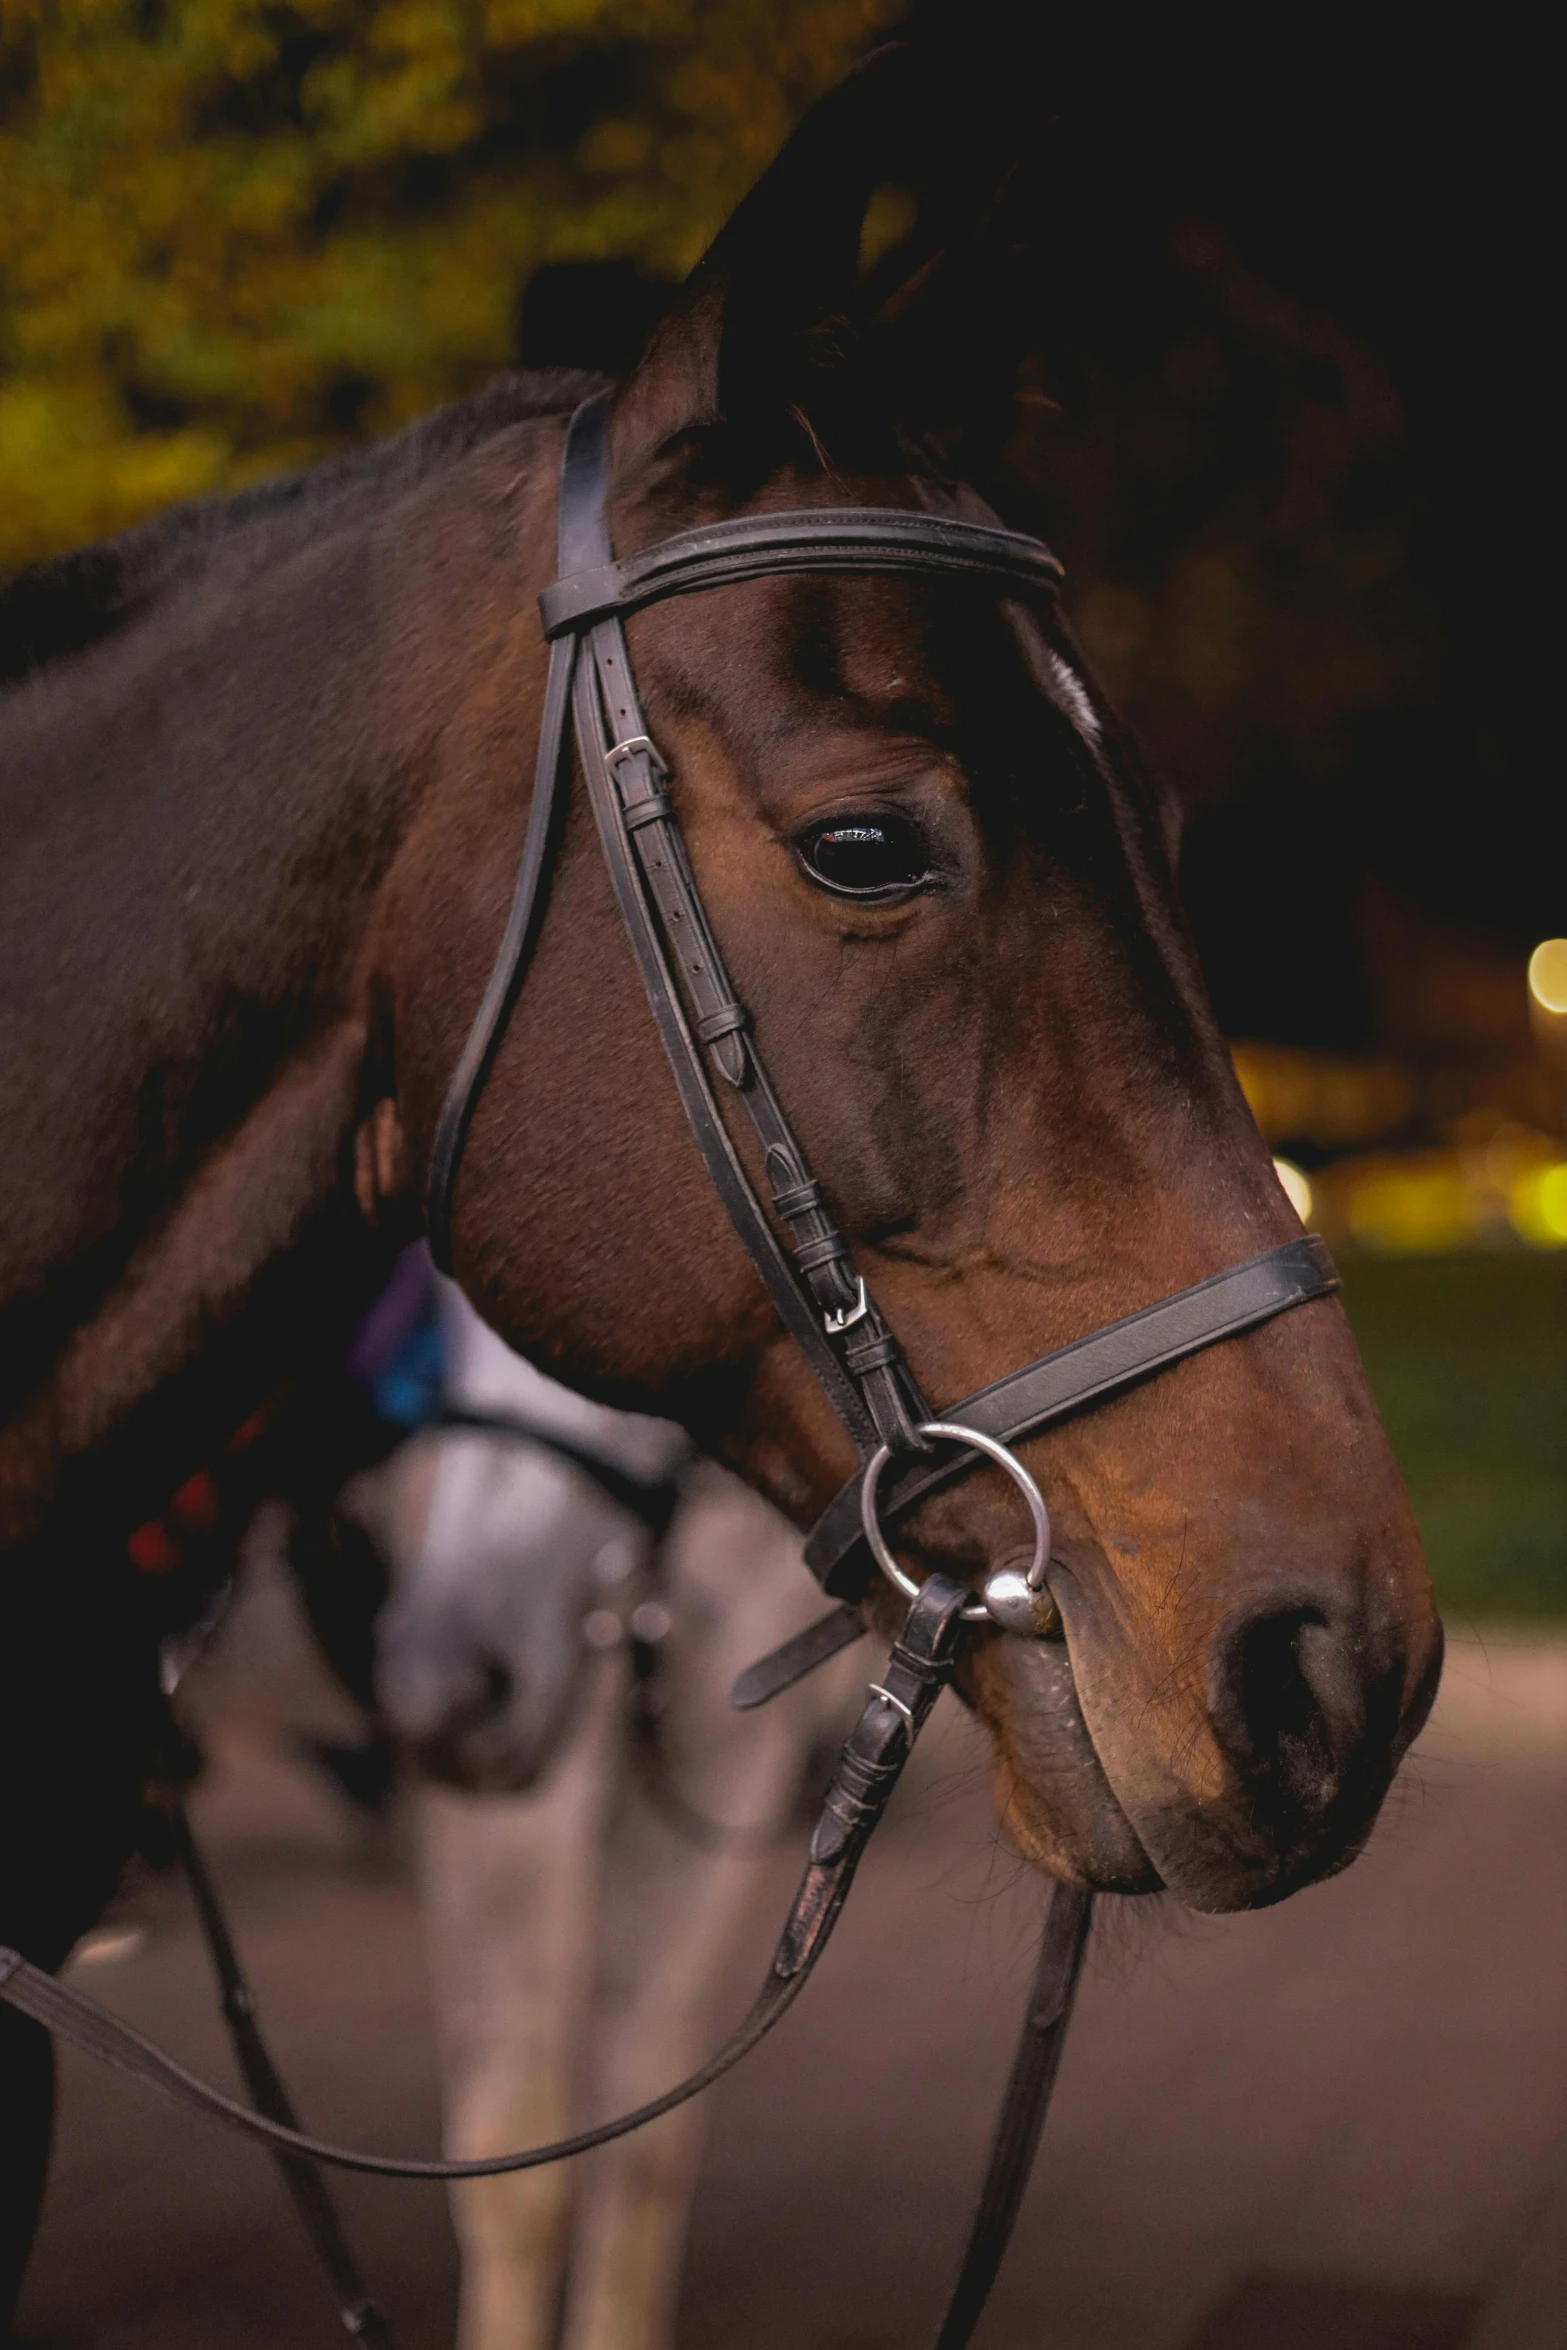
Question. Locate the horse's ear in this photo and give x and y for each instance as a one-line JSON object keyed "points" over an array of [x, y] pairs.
{"points": [[956, 348], [769, 326]]}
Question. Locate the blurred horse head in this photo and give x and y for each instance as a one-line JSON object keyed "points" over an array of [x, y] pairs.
{"points": [[480, 1652], [522, 1555]]}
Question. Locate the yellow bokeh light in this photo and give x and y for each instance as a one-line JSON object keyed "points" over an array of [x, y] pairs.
{"points": [[1296, 1188], [1421, 1208], [1537, 1206], [1553, 1200], [1548, 975]]}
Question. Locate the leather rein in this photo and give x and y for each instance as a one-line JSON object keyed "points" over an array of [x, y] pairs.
{"points": [[905, 1451]]}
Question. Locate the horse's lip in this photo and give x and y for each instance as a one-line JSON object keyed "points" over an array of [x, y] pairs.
{"points": [[1084, 1833], [1112, 1813]]}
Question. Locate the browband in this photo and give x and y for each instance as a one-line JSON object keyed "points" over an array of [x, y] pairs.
{"points": [[756, 546]]}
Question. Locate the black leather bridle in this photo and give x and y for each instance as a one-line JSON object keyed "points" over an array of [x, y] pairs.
{"points": [[706, 1031], [823, 1301]]}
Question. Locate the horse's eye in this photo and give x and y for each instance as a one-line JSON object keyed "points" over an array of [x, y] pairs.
{"points": [[876, 856]]}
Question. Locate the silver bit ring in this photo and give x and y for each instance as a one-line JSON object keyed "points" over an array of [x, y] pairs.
{"points": [[975, 1611]]}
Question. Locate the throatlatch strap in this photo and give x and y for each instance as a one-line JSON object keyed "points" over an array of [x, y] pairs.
{"points": [[869, 1767], [512, 958]]}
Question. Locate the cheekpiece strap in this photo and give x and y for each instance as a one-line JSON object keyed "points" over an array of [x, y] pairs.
{"points": [[704, 1027]]}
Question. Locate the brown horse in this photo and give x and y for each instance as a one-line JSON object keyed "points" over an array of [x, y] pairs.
{"points": [[264, 787]]}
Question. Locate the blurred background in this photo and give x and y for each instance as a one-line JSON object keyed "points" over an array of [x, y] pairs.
{"points": [[1291, 318], [1288, 306]]}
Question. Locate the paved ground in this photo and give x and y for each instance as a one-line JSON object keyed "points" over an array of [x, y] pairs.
{"points": [[1339, 2126]]}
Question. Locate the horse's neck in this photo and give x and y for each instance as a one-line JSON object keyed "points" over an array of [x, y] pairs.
{"points": [[202, 816]]}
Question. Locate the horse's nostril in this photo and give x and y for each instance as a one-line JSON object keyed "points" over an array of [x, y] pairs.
{"points": [[1289, 1704]]}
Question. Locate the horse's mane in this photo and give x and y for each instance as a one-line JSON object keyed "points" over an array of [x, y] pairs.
{"points": [[74, 601]]}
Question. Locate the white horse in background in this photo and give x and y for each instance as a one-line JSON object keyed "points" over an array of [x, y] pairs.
{"points": [[581, 1925]]}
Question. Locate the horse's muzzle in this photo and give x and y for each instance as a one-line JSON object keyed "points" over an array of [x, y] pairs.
{"points": [[1260, 1768]]}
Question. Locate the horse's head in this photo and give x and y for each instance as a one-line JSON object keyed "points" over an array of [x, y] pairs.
{"points": [[944, 887]]}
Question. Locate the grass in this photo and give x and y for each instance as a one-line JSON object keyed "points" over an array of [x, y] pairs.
{"points": [[1468, 1359]]}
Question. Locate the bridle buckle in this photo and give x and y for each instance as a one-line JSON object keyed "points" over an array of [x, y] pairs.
{"points": [[841, 1318], [636, 746]]}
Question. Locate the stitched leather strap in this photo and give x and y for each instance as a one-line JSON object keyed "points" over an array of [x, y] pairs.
{"points": [[1087, 1372], [868, 1769], [865, 1378], [819, 1295], [1073, 1377], [758, 546]]}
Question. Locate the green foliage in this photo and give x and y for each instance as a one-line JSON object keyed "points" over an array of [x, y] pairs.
{"points": [[234, 233], [1468, 1360]]}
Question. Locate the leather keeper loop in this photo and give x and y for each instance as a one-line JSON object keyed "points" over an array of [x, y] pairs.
{"points": [[811, 1255], [870, 1354], [726, 1021], [799, 1199], [655, 809]]}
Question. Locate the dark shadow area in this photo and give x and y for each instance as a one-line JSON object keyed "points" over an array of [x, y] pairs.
{"points": [[1286, 275], [593, 314]]}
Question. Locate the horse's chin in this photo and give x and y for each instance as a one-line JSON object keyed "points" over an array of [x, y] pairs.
{"points": [[1058, 1807], [1100, 1852], [1052, 1797]]}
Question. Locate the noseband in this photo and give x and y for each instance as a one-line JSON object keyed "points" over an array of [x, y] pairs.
{"points": [[823, 1301]]}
